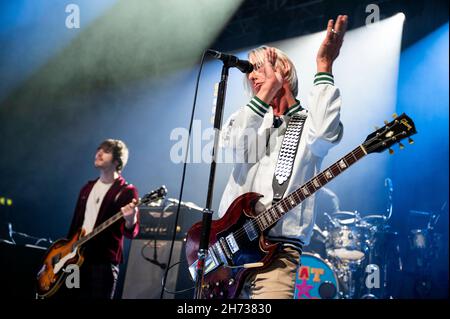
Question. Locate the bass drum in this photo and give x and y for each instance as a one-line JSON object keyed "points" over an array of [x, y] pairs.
{"points": [[315, 279]]}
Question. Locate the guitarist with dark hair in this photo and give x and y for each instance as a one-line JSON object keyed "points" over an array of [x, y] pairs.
{"points": [[98, 201], [274, 87]]}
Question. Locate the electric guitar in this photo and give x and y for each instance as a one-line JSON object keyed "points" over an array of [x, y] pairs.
{"points": [[237, 240], [66, 252]]}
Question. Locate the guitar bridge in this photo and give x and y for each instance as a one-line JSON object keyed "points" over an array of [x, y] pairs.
{"points": [[226, 249], [218, 254]]}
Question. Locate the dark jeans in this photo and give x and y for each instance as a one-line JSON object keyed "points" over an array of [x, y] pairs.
{"points": [[97, 281]]}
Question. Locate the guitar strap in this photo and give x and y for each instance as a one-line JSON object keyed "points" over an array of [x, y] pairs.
{"points": [[286, 156]]}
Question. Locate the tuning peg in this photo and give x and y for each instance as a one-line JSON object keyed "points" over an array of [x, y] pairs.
{"points": [[391, 151], [410, 140], [401, 146], [377, 128], [386, 122], [394, 116]]}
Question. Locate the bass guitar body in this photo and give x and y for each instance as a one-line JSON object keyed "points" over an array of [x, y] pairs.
{"points": [[52, 274]]}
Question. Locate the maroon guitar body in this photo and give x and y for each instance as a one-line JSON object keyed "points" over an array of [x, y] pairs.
{"points": [[226, 282]]}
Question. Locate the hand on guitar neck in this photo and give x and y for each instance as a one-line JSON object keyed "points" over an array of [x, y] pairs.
{"points": [[129, 213]]}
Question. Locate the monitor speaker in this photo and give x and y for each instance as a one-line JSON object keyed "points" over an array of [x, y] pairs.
{"points": [[146, 266]]}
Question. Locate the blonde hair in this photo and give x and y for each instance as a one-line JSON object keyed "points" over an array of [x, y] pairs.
{"points": [[257, 57]]}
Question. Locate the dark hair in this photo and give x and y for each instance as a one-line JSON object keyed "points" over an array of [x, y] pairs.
{"points": [[119, 150]]}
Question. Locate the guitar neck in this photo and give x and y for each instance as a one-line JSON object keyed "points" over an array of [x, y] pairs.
{"points": [[277, 211], [148, 198], [99, 229]]}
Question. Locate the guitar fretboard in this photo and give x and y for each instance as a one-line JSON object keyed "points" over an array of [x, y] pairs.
{"points": [[99, 229], [152, 196], [277, 211]]}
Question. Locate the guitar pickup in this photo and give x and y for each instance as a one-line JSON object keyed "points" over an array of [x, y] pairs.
{"points": [[250, 230], [232, 243]]}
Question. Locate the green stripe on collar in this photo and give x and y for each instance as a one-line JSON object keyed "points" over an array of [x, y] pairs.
{"points": [[293, 109], [261, 103], [258, 106], [255, 109]]}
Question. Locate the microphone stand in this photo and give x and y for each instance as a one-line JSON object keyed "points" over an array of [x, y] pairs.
{"points": [[207, 212]]}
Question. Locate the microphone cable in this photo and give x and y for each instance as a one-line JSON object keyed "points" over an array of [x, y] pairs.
{"points": [[183, 176]]}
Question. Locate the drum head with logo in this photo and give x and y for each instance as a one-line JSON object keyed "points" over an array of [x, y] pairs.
{"points": [[315, 279]]}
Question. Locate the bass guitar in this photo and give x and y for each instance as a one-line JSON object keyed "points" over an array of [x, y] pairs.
{"points": [[65, 252]]}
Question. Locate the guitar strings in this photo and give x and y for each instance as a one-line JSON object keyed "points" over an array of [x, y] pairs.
{"points": [[241, 232], [258, 219]]}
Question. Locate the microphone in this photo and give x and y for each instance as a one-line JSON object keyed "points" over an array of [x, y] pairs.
{"points": [[232, 61]]}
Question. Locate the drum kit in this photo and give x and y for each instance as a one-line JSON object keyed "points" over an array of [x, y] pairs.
{"points": [[353, 245]]}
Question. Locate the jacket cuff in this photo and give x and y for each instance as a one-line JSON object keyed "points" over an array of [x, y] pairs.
{"points": [[133, 232], [258, 106], [324, 78]]}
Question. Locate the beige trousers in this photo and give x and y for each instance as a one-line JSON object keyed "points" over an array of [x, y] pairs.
{"points": [[277, 281]]}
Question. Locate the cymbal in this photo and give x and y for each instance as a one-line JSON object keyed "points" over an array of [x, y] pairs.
{"points": [[416, 212], [345, 217], [344, 213], [167, 203], [374, 219]]}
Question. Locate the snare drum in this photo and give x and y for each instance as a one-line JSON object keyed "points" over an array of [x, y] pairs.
{"points": [[348, 242], [315, 279]]}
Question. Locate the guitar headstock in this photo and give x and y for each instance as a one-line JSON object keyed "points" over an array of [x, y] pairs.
{"points": [[154, 195], [393, 132]]}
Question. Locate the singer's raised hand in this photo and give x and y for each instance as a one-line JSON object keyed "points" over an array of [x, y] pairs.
{"points": [[270, 76], [331, 45]]}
